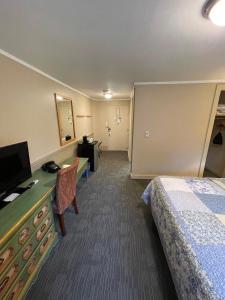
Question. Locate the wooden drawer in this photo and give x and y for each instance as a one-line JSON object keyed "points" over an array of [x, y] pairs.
{"points": [[13, 246], [14, 268], [14, 294], [41, 213], [44, 227], [21, 259], [10, 250], [47, 240], [43, 247], [9, 278], [25, 278]]}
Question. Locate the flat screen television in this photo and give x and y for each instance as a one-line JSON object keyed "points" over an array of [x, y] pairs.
{"points": [[14, 166]]}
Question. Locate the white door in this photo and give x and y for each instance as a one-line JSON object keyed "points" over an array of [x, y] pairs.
{"points": [[115, 116], [118, 121]]}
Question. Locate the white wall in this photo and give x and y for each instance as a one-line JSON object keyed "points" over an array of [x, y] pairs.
{"points": [[105, 111], [177, 117], [28, 113]]}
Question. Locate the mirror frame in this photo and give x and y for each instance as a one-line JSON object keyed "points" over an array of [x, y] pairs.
{"points": [[58, 119]]}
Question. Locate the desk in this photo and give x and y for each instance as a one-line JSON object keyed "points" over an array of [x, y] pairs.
{"points": [[89, 150], [27, 233]]}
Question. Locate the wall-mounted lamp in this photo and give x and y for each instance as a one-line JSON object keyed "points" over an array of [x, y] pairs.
{"points": [[58, 97], [109, 130], [118, 117], [107, 94], [214, 10]]}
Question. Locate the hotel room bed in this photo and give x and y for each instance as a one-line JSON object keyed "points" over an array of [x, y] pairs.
{"points": [[190, 217]]}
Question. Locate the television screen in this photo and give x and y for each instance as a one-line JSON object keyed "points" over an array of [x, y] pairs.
{"points": [[14, 166]]}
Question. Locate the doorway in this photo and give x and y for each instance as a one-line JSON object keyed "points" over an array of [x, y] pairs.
{"points": [[111, 124], [215, 160]]}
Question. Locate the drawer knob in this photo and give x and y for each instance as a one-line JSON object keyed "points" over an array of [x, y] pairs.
{"points": [[31, 266], [40, 214], [46, 242], [24, 235], [16, 291], [27, 251], [6, 255], [4, 283], [9, 277], [43, 229]]}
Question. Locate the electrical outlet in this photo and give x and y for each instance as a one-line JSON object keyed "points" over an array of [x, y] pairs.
{"points": [[147, 133]]}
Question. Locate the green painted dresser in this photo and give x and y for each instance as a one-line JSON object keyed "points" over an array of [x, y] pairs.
{"points": [[27, 234]]}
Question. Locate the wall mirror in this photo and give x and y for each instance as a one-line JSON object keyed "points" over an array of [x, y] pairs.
{"points": [[64, 110]]}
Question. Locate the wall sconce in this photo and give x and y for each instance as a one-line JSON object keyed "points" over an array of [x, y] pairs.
{"points": [[118, 117], [58, 97], [109, 130]]}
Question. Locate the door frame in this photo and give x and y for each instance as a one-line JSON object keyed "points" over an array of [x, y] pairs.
{"points": [[219, 88]]}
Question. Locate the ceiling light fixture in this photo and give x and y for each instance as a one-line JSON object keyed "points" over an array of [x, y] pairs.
{"points": [[215, 11], [107, 94]]}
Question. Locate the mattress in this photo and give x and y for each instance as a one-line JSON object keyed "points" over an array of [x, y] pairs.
{"points": [[190, 216]]}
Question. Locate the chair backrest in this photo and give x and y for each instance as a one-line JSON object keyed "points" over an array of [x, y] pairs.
{"points": [[66, 186]]}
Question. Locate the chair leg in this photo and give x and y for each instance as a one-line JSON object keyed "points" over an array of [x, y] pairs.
{"points": [[75, 206], [62, 224]]}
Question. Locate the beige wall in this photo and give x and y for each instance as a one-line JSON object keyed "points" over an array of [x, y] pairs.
{"points": [[27, 110], [105, 111], [177, 117]]}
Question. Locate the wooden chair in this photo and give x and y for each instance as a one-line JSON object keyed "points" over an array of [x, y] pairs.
{"points": [[99, 149], [66, 192]]}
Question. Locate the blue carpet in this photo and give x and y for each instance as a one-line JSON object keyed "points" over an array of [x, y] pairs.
{"points": [[112, 249]]}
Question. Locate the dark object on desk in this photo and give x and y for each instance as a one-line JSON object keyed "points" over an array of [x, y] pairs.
{"points": [[89, 150], [218, 139], [66, 192], [99, 149], [68, 137], [85, 139], [50, 167]]}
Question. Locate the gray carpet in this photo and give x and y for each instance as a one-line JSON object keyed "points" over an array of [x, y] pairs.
{"points": [[112, 249]]}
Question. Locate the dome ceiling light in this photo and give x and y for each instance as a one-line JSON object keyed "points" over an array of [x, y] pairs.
{"points": [[214, 10], [107, 94]]}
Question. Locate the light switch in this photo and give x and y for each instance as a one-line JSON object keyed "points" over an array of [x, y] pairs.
{"points": [[147, 133]]}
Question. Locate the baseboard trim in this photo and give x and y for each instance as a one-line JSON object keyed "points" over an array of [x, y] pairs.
{"points": [[142, 176]]}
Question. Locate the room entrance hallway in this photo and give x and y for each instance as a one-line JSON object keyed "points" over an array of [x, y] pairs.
{"points": [[112, 249]]}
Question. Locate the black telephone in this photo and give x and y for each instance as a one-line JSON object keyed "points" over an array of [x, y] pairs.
{"points": [[50, 167]]}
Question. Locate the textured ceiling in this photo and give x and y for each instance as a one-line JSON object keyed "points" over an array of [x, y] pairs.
{"points": [[98, 44]]}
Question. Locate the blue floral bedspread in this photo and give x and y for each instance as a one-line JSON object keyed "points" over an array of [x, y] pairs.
{"points": [[190, 216]]}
